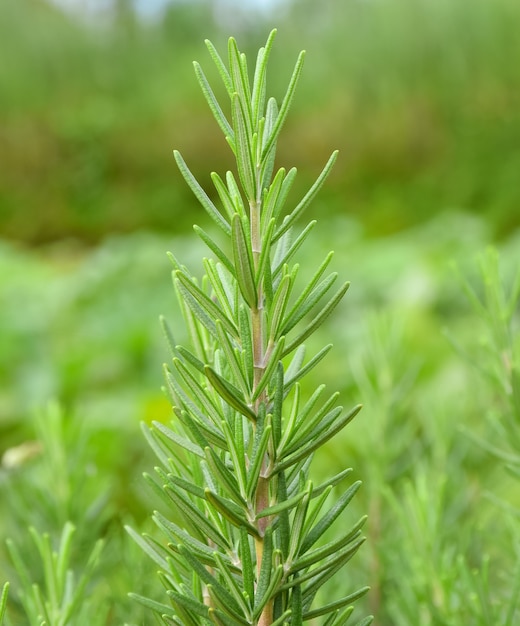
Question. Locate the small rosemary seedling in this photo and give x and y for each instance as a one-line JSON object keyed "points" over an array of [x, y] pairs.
{"points": [[245, 523]]}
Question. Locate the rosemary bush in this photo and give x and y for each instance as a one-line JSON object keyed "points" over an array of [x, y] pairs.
{"points": [[244, 519]]}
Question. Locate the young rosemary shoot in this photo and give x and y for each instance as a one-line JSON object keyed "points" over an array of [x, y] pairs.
{"points": [[245, 521]]}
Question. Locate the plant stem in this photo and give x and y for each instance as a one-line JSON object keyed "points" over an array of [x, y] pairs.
{"points": [[258, 332]]}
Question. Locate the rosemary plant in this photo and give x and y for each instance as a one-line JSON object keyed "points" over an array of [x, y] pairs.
{"points": [[246, 521]]}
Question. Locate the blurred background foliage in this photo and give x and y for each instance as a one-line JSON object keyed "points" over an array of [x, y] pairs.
{"points": [[423, 99]]}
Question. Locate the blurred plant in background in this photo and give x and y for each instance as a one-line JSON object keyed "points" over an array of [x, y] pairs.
{"points": [[422, 97]]}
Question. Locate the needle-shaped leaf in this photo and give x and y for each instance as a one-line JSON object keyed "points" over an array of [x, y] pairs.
{"points": [[329, 518], [206, 576], [182, 442], [215, 248], [333, 547], [257, 461], [221, 67], [280, 300], [196, 518], [201, 195], [245, 163], [229, 393], [224, 477], [294, 247], [231, 512], [240, 80], [271, 197], [248, 573], [272, 362], [331, 425], [259, 80], [202, 306], [339, 604], [243, 262], [308, 198], [308, 366], [212, 101], [226, 197], [318, 320], [280, 507], [284, 109], [307, 303]]}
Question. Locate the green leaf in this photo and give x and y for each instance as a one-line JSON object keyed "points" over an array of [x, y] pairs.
{"points": [[284, 109], [318, 319], [231, 512], [242, 256], [232, 360], [213, 103], [202, 551], [331, 426], [258, 459], [339, 618], [284, 192], [259, 80], [302, 424], [234, 192], [278, 306], [274, 581], [219, 63], [155, 606], [201, 195], [244, 327], [331, 482], [265, 552], [273, 360], [198, 391], [280, 507], [277, 410], [233, 587], [307, 302], [240, 80], [184, 443], [284, 620], [298, 522], [149, 546], [229, 393], [323, 572], [191, 605], [224, 477], [202, 306], [309, 366], [248, 573], [205, 575], [315, 556], [339, 604], [215, 248], [196, 518], [245, 165], [225, 195], [307, 199], [235, 441], [296, 603], [329, 518], [265, 253], [294, 247]]}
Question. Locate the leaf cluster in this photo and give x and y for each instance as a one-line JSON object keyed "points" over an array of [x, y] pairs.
{"points": [[243, 541]]}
